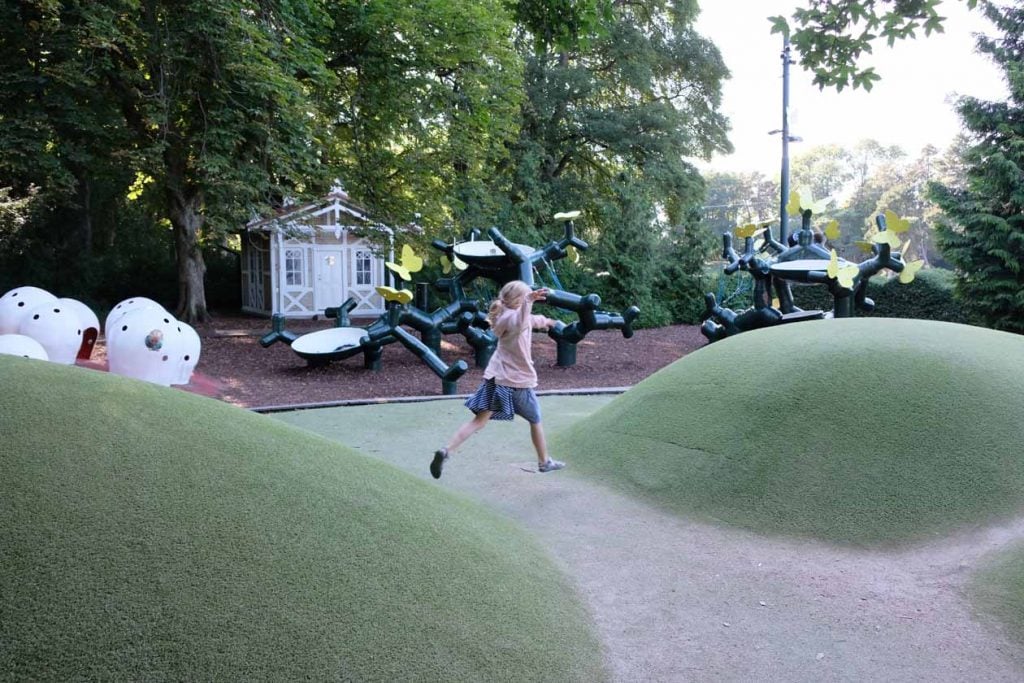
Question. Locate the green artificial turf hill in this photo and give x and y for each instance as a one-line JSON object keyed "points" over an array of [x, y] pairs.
{"points": [[149, 534], [858, 431], [998, 590]]}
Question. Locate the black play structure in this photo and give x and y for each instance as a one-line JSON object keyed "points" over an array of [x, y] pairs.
{"points": [[498, 261], [779, 265]]}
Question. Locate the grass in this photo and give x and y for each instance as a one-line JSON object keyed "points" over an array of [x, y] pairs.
{"points": [[999, 590], [152, 534], [860, 431]]}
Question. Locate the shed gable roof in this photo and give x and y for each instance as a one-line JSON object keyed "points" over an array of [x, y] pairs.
{"points": [[294, 219]]}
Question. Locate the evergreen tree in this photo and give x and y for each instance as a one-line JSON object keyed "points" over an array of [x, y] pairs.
{"points": [[984, 236]]}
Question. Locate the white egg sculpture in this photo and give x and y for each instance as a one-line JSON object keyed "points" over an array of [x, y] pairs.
{"points": [[188, 354], [20, 345], [57, 328], [145, 345], [90, 325], [16, 303], [123, 307]]}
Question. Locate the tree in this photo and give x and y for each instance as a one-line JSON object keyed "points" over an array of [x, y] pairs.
{"points": [[214, 103], [907, 195], [733, 199], [831, 35], [427, 101], [618, 96], [58, 131], [824, 169], [984, 233]]}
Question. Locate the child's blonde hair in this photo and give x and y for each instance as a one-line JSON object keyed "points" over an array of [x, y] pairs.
{"points": [[511, 296]]}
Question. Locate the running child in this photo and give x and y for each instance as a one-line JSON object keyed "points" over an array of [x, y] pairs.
{"points": [[509, 379]]}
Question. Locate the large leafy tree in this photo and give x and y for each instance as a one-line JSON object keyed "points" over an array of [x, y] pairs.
{"points": [[733, 199], [906, 193], [428, 96], [823, 169], [58, 130], [984, 237], [832, 35], [209, 106], [618, 96]]}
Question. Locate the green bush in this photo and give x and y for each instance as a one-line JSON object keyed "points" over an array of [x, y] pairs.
{"points": [[929, 297]]}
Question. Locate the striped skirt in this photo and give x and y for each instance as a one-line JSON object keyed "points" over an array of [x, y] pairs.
{"points": [[493, 397]]}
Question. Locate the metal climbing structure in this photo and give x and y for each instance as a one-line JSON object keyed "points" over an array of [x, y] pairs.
{"points": [[496, 260]]}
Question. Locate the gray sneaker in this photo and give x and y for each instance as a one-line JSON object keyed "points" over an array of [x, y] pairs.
{"points": [[440, 455], [550, 465]]}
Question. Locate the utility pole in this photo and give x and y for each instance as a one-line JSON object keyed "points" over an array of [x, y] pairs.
{"points": [[781, 286], [784, 182], [786, 139]]}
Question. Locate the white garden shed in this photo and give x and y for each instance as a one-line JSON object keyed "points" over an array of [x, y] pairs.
{"points": [[313, 257]]}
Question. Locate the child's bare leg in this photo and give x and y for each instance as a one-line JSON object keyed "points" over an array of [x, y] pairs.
{"points": [[467, 430], [540, 444]]}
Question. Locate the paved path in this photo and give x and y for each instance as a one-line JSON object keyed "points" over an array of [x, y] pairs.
{"points": [[676, 600]]}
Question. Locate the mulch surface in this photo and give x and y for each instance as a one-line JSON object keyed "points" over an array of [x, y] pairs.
{"points": [[235, 368]]}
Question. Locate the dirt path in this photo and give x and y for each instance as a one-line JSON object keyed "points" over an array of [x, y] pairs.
{"points": [[675, 600]]}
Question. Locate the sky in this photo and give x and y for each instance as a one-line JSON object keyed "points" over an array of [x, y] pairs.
{"points": [[909, 107]]}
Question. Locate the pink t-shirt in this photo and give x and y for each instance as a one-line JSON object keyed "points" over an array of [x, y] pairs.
{"points": [[511, 365]]}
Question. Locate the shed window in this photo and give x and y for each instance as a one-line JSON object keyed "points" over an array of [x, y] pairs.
{"points": [[364, 267], [294, 267]]}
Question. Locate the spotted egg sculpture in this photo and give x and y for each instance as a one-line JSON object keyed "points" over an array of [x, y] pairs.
{"points": [[144, 343], [89, 322], [57, 328], [188, 354], [124, 306], [16, 303], [21, 345]]}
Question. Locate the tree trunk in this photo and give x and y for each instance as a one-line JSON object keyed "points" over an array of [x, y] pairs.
{"points": [[187, 222]]}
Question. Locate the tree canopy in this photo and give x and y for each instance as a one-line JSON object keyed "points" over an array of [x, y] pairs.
{"points": [[131, 116], [210, 103], [832, 35]]}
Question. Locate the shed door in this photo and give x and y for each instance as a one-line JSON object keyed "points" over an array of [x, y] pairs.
{"points": [[330, 278]]}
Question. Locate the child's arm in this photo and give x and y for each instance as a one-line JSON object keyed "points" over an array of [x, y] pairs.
{"points": [[525, 313], [542, 322]]}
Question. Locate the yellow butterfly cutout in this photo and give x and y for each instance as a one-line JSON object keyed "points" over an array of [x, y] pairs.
{"points": [[574, 254], [446, 265], [402, 296], [567, 215], [459, 263], [410, 263], [775, 302], [864, 246], [894, 223], [748, 230], [910, 271], [793, 206], [886, 237], [844, 274], [802, 200], [832, 229]]}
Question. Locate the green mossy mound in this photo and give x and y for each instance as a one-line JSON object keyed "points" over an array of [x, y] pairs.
{"points": [[858, 431], [998, 590], [149, 534]]}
